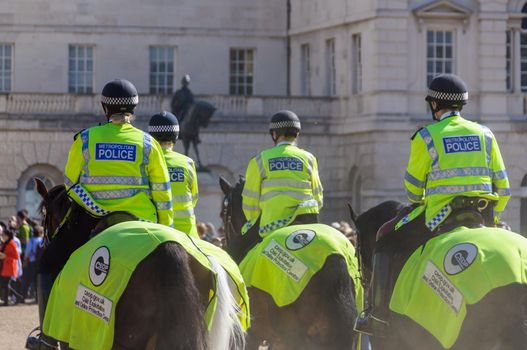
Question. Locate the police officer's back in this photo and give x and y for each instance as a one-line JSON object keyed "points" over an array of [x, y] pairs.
{"points": [[282, 182], [183, 179]]}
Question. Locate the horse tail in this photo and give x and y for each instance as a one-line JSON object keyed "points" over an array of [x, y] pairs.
{"points": [[340, 296], [181, 323], [227, 331]]}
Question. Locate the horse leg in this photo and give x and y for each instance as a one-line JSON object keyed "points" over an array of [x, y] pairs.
{"points": [[169, 309], [195, 146], [186, 146]]}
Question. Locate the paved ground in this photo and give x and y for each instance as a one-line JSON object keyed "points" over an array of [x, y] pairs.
{"points": [[16, 321]]}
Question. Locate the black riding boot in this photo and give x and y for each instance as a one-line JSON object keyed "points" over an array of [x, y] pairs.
{"points": [[374, 320], [42, 341]]}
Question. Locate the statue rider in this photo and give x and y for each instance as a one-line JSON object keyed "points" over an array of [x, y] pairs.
{"points": [[455, 176], [111, 167], [182, 100], [164, 128]]}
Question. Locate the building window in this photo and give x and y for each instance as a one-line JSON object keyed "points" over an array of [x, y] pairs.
{"points": [[161, 70], [241, 71], [80, 70], [6, 60], [508, 56], [331, 71], [439, 53], [305, 67], [356, 56]]}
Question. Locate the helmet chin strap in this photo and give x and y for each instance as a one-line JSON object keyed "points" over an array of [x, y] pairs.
{"points": [[434, 111]]}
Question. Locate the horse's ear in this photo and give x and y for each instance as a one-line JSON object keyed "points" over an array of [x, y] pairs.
{"points": [[41, 187], [242, 179], [226, 187], [353, 216]]}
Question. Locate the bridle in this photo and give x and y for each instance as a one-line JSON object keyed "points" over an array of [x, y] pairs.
{"points": [[226, 213]]}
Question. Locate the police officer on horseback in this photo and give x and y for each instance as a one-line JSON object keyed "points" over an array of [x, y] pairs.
{"points": [[282, 183], [164, 128], [111, 167], [455, 176]]}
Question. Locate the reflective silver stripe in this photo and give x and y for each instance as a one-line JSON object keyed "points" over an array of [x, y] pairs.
{"points": [[68, 182], [413, 197], [190, 171], [183, 213], [503, 191], [318, 190], [160, 186], [488, 143], [147, 147], [451, 189], [250, 207], [414, 181], [117, 194], [499, 175], [112, 180], [309, 203], [85, 150], [259, 162], [297, 195], [448, 173], [310, 163], [305, 185], [163, 205], [250, 194], [431, 147], [183, 198]]}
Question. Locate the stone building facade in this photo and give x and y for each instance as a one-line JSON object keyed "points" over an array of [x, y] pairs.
{"points": [[356, 71]]}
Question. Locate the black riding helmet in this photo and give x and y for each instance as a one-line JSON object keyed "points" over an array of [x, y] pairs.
{"points": [[448, 91], [119, 96], [164, 127], [285, 123]]}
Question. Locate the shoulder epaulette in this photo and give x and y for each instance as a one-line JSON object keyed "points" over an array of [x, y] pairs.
{"points": [[417, 132], [77, 134]]}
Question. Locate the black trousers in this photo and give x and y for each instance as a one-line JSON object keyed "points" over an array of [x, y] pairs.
{"points": [[5, 282]]}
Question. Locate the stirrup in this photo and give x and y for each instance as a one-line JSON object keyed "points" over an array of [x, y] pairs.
{"points": [[38, 342], [367, 323]]}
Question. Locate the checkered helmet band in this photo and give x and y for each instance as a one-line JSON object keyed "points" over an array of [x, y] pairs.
{"points": [[163, 128], [119, 101], [285, 124], [448, 96]]}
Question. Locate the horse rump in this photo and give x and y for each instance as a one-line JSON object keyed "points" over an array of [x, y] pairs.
{"points": [[161, 305]]}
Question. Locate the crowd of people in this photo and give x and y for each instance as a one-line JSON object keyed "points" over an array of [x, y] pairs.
{"points": [[20, 246]]}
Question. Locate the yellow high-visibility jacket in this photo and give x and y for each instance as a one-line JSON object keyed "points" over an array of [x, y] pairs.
{"points": [[281, 183], [184, 185], [450, 158], [116, 167]]}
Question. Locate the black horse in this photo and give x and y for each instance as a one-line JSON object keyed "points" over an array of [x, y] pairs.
{"points": [[321, 318], [164, 302], [197, 117], [497, 321]]}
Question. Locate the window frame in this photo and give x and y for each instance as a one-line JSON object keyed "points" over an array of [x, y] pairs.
{"points": [[166, 61], [331, 67], [305, 69], [74, 73], [6, 74], [443, 45], [241, 71], [356, 64]]}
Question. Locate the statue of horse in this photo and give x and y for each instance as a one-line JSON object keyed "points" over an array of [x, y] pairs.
{"points": [[164, 303], [496, 320], [323, 315], [198, 116]]}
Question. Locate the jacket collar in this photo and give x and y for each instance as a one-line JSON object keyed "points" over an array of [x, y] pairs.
{"points": [[450, 114]]}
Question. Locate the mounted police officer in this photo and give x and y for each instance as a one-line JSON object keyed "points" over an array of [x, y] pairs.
{"points": [[183, 99], [282, 183], [455, 167], [111, 167], [164, 128]]}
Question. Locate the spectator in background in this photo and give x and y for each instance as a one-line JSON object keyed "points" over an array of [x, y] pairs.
{"points": [[346, 229], [24, 230], [9, 256], [31, 260]]}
